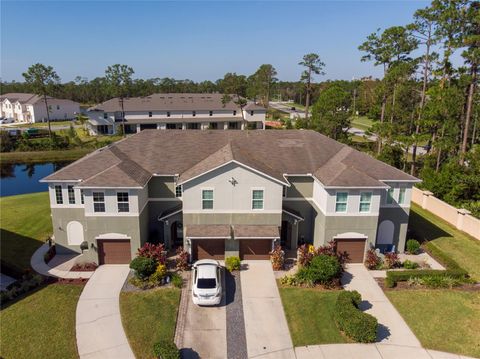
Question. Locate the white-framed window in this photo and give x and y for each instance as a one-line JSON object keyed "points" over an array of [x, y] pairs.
{"points": [[234, 112], [257, 199], [58, 195], [71, 195], [168, 113], [105, 115], [178, 191], [401, 195], [251, 113], [341, 202], [210, 113], [207, 199], [98, 201], [150, 114], [365, 202], [82, 197], [58, 107], [389, 198], [123, 205], [194, 113]]}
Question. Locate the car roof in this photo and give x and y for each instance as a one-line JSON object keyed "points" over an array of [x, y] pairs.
{"points": [[207, 271]]}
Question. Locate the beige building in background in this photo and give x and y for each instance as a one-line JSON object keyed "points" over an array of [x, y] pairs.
{"points": [[30, 108], [174, 111]]}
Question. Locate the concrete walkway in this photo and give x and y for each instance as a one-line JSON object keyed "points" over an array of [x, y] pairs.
{"points": [[370, 351], [99, 327], [61, 267], [392, 327], [265, 323]]}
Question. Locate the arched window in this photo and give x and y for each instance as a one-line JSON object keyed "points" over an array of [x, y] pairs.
{"points": [[74, 233]]}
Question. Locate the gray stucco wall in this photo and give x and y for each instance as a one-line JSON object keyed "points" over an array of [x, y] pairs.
{"points": [[305, 227], [300, 187], [399, 217], [232, 248], [161, 187]]}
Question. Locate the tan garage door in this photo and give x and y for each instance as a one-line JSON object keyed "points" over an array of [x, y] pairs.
{"points": [[255, 248], [114, 251], [208, 248], [355, 248]]}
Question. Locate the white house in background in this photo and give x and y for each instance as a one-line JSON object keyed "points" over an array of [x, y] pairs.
{"points": [[28, 107], [174, 111]]}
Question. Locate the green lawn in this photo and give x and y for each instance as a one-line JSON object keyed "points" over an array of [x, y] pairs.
{"points": [[296, 105], [361, 122], [445, 320], [45, 124], [41, 325], [462, 248], [45, 156], [148, 317], [309, 314], [25, 224]]}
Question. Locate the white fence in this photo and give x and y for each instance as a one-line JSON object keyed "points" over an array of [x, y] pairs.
{"points": [[458, 217]]}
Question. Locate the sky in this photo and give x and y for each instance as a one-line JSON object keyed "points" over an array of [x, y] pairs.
{"points": [[193, 40]]}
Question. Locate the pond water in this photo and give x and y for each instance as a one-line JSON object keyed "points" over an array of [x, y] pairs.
{"points": [[23, 178]]}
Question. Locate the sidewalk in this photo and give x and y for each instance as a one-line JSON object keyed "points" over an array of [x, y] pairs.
{"points": [[370, 351], [392, 328], [60, 267]]}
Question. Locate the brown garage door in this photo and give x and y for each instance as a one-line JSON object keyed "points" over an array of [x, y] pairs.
{"points": [[255, 248], [114, 251], [355, 248], [208, 248]]}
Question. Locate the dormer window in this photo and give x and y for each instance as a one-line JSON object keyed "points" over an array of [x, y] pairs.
{"points": [[194, 113], [210, 113], [251, 113], [168, 114], [234, 113], [150, 114]]}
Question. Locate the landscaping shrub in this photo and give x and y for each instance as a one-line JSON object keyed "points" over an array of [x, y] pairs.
{"points": [[27, 283], [177, 280], [166, 349], [391, 260], [440, 282], [155, 251], [232, 263], [289, 280], [323, 269], [277, 257], [402, 276], [157, 277], [304, 255], [372, 260], [413, 246], [181, 261], [410, 265], [143, 267], [357, 325]]}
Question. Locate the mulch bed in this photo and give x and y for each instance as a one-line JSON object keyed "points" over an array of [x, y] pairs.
{"points": [[84, 267], [404, 286]]}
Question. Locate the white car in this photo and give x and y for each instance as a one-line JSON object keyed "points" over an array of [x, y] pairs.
{"points": [[207, 284], [7, 120]]}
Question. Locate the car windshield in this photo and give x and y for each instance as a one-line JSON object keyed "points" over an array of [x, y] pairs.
{"points": [[206, 283]]}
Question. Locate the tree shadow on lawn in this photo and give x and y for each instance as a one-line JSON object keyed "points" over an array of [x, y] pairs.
{"points": [[423, 229], [16, 251]]}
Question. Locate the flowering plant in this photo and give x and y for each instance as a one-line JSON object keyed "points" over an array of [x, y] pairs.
{"points": [[181, 261], [277, 257], [154, 251]]}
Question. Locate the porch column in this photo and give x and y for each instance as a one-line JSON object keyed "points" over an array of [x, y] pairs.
{"points": [[294, 239], [138, 128], [225, 125]]}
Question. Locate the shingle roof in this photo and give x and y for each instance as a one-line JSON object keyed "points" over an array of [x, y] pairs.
{"points": [[173, 102], [132, 161], [28, 98]]}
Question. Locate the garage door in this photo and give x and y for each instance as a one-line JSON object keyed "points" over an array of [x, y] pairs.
{"points": [[255, 248], [114, 251], [208, 248], [355, 248]]}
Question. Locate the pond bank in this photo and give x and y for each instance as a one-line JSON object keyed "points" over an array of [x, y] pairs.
{"points": [[44, 156]]}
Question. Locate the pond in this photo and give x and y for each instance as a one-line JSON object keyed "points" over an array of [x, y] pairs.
{"points": [[20, 178]]}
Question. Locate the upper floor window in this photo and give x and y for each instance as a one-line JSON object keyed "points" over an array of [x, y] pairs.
{"points": [[122, 202], [234, 112], [58, 195], [58, 107], [365, 201], [194, 113], [71, 195], [105, 115], [401, 195], [389, 198], [178, 191], [82, 197], [98, 201], [341, 202], [251, 113], [168, 113], [210, 113], [207, 199], [150, 114], [257, 199]]}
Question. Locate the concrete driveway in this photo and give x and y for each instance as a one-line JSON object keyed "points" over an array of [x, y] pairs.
{"points": [[265, 323], [99, 327], [392, 327], [204, 333]]}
